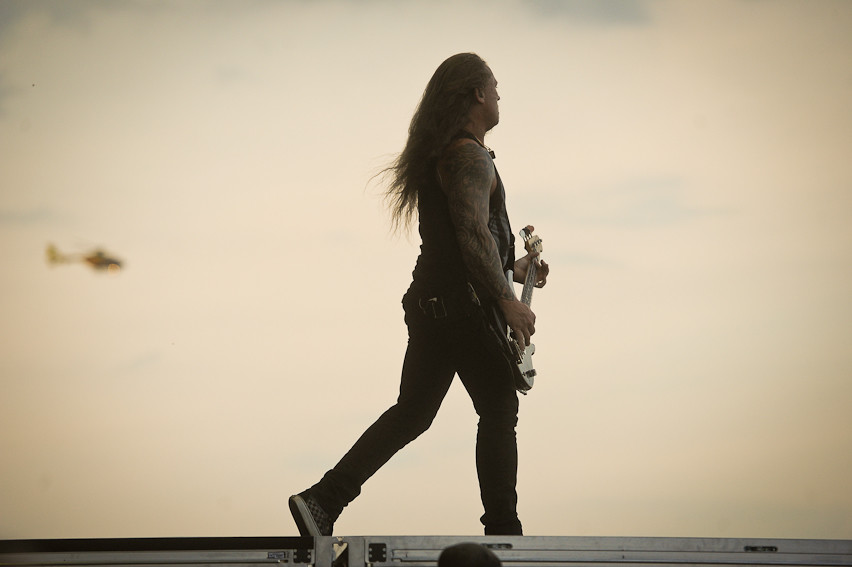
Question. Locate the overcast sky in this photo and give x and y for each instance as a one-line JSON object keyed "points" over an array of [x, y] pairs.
{"points": [[686, 164]]}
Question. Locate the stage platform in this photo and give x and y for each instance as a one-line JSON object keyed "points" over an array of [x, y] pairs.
{"points": [[413, 551]]}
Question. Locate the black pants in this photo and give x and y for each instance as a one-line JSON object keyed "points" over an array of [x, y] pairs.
{"points": [[438, 349]]}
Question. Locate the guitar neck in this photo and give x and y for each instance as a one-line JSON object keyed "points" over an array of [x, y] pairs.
{"points": [[529, 285]]}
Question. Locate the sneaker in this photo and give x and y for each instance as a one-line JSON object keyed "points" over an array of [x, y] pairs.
{"points": [[310, 518]]}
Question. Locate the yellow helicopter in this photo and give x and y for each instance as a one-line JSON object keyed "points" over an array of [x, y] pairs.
{"points": [[97, 259]]}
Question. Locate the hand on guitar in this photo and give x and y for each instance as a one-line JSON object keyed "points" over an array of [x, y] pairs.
{"points": [[522, 266], [520, 319]]}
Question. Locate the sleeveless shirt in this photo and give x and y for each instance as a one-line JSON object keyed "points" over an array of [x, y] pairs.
{"points": [[440, 268]]}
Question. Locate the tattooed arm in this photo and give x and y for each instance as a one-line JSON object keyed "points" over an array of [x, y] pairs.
{"points": [[468, 179]]}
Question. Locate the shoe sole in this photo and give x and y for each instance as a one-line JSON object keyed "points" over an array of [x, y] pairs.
{"points": [[303, 518]]}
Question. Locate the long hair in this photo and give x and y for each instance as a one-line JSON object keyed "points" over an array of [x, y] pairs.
{"points": [[442, 113]]}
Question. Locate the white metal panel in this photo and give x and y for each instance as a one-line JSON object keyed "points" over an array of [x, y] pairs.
{"points": [[415, 551]]}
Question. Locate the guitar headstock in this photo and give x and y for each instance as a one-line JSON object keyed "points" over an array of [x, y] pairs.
{"points": [[531, 242]]}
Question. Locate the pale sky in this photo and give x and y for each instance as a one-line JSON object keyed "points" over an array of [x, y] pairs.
{"points": [[686, 164]]}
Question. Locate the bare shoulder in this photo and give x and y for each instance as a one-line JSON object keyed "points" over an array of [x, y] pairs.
{"points": [[465, 149], [465, 165]]}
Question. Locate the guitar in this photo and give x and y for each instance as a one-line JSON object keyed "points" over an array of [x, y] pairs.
{"points": [[522, 367]]}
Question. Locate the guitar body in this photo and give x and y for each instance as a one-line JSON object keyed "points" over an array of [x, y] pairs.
{"points": [[526, 370], [520, 361]]}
